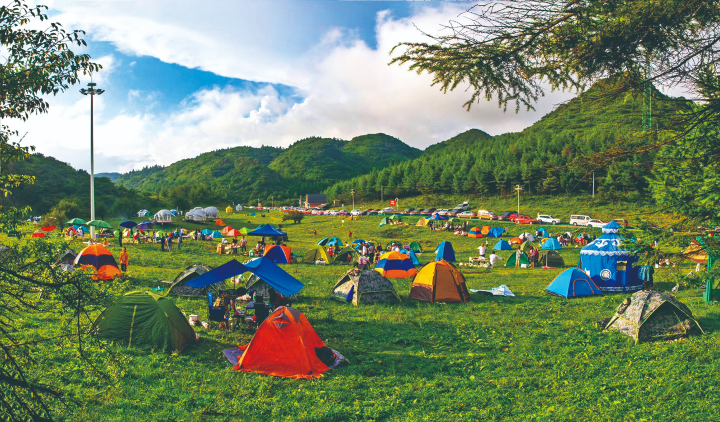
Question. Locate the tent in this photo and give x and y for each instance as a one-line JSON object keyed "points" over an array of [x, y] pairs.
{"points": [[543, 233], [238, 207], [267, 231], [527, 245], [179, 287], [229, 210], [552, 258], [216, 234], [143, 213], [445, 251], [278, 254], [145, 319], [651, 316], [395, 265], [415, 246], [211, 212], [395, 217], [342, 256], [273, 275], [163, 216], [609, 266], [502, 245], [475, 233], [513, 257], [573, 283], [551, 244], [364, 286], [696, 253], [233, 233], [66, 257], [315, 253], [485, 230], [422, 222], [174, 212], [516, 241], [439, 281], [327, 242], [197, 215], [100, 259], [286, 346], [264, 288], [252, 214], [225, 230], [219, 222], [206, 232], [496, 232], [412, 256], [437, 217], [384, 221]]}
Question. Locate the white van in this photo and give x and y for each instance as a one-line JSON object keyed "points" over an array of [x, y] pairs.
{"points": [[579, 220]]}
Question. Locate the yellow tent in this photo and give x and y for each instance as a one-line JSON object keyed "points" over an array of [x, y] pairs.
{"points": [[422, 222], [439, 281], [696, 253], [315, 253], [485, 230], [229, 209]]}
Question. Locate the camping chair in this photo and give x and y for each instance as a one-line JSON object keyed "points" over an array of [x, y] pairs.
{"points": [[216, 314]]}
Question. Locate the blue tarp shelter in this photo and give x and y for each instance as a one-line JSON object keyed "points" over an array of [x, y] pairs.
{"points": [[264, 269], [445, 251], [437, 217], [502, 245], [609, 266], [551, 244], [496, 232], [573, 283], [268, 231], [412, 256]]}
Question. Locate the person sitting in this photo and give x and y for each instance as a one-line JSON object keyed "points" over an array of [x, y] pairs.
{"points": [[261, 312], [234, 247], [220, 249]]}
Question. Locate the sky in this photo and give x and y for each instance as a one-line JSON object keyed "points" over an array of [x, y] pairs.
{"points": [[186, 77]]}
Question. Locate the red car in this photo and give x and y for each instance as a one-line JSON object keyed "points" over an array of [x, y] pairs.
{"points": [[522, 219]]}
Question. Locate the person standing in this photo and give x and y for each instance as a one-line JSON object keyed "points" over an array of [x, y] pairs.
{"points": [[124, 260], [120, 234], [482, 249], [518, 254], [350, 234], [162, 243], [169, 243], [494, 258], [180, 240], [243, 244], [314, 233]]}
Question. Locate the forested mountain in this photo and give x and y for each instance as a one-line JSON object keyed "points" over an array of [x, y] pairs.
{"points": [[112, 175], [548, 157], [55, 180], [245, 174]]}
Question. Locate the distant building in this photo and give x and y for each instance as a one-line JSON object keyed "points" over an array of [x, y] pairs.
{"points": [[315, 200]]}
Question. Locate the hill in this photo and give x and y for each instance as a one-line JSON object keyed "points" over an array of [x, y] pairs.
{"points": [[246, 174], [112, 176], [548, 157]]}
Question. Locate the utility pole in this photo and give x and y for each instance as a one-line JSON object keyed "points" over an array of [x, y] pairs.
{"points": [[518, 189], [397, 204], [593, 184], [352, 191], [92, 91]]}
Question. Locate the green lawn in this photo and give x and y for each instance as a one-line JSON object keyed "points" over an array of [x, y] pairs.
{"points": [[529, 357]]}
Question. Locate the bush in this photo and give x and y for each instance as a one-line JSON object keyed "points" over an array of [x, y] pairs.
{"points": [[295, 216]]}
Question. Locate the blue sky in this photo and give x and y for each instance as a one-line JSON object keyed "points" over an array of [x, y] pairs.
{"points": [[182, 78]]}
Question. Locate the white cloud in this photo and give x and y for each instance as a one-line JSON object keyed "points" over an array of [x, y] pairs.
{"points": [[348, 90]]}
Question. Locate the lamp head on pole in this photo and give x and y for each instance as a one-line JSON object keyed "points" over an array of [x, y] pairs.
{"points": [[92, 90]]}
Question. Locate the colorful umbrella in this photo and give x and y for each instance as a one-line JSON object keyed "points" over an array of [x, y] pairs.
{"points": [[76, 222], [48, 228], [101, 260], [395, 265], [129, 224], [99, 224]]}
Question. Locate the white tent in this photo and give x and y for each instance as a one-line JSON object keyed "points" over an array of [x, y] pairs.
{"points": [[238, 207], [197, 214], [163, 216], [143, 213], [212, 212]]}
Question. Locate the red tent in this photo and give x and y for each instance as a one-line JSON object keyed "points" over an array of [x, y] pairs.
{"points": [[219, 222], [286, 345], [48, 228], [226, 230], [38, 234], [233, 233]]}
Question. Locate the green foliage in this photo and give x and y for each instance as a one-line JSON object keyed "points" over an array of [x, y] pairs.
{"points": [[294, 216]]}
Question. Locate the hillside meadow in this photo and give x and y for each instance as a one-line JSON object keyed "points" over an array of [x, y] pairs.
{"points": [[531, 357]]}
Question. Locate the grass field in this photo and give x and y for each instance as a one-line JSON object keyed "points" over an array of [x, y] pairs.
{"points": [[529, 357]]}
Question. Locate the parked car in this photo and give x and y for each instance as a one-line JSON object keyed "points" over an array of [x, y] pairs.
{"points": [[342, 212], [506, 215], [579, 220], [486, 215], [428, 210], [595, 223], [355, 212], [465, 206], [408, 210], [467, 214], [441, 211], [387, 210], [517, 217], [548, 219], [452, 213]]}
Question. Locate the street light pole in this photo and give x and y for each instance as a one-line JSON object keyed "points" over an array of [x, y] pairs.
{"points": [[92, 91], [518, 189]]}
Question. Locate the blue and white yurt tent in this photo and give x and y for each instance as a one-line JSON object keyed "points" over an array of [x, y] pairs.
{"points": [[609, 266]]}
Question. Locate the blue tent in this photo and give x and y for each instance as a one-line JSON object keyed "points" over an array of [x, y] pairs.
{"points": [[502, 245], [174, 212], [265, 269], [496, 232], [252, 214], [359, 241], [323, 241], [206, 232], [551, 244], [267, 230], [438, 217], [445, 251], [216, 235], [573, 283], [334, 242], [543, 233], [609, 266], [412, 256]]}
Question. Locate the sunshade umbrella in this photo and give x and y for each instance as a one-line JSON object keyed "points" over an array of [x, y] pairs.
{"points": [[99, 224], [48, 228], [395, 265], [129, 224], [206, 232], [76, 221], [146, 225]]}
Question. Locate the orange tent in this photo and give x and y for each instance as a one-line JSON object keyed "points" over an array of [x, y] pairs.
{"points": [[226, 230], [439, 281], [475, 233], [101, 260], [219, 222], [516, 241], [286, 345]]}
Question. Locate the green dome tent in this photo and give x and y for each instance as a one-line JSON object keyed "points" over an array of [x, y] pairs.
{"points": [[178, 288], [384, 221], [342, 256], [416, 247], [364, 287], [523, 260], [145, 319], [315, 253]]}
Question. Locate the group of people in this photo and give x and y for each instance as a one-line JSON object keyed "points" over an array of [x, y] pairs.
{"points": [[233, 248]]}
